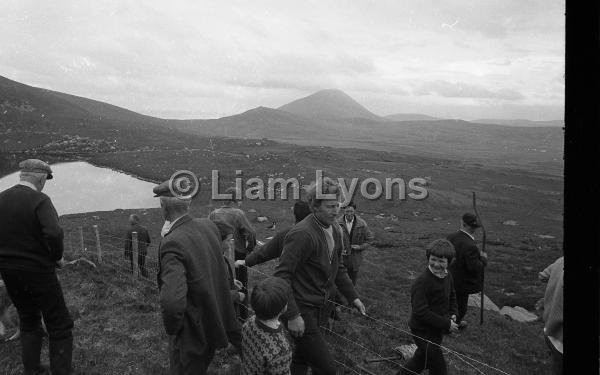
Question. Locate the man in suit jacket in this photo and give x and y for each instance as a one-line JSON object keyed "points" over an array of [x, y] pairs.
{"points": [[143, 243], [31, 248], [467, 266], [195, 299], [358, 237]]}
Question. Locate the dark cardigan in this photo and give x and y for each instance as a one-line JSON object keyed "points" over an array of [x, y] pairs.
{"points": [[305, 264]]}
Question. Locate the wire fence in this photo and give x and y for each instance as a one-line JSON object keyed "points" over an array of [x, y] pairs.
{"points": [[109, 250]]}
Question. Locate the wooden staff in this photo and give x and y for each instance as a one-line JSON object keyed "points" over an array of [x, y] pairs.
{"points": [[483, 251]]}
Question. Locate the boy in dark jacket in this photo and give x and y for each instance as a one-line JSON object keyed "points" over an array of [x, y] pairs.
{"points": [[434, 310]]}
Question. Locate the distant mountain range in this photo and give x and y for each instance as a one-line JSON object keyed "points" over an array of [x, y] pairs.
{"points": [[521, 122], [328, 117]]}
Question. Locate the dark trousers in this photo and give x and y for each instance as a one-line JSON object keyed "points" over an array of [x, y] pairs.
{"points": [[311, 350], [462, 300], [557, 358], [187, 366], [36, 296], [241, 274], [427, 356], [353, 274]]}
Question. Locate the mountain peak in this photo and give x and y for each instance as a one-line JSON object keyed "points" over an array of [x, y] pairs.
{"points": [[329, 104]]}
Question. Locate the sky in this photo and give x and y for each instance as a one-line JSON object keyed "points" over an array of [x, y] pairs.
{"points": [[465, 59]]}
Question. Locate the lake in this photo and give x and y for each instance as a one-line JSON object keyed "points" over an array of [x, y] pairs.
{"points": [[81, 187]]}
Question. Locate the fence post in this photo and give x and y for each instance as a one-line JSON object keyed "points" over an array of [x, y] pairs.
{"points": [[81, 239], [134, 252], [71, 243], [98, 247]]}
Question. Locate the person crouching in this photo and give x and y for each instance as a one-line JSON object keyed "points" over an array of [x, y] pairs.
{"points": [[434, 310], [265, 346]]}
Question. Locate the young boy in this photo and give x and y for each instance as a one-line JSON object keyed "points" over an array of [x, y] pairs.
{"points": [[434, 310], [265, 347]]}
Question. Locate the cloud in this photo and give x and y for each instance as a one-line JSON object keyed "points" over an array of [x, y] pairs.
{"points": [[223, 57], [464, 90]]}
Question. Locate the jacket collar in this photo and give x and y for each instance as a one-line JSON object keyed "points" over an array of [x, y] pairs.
{"points": [[28, 184], [358, 222], [468, 234], [182, 220]]}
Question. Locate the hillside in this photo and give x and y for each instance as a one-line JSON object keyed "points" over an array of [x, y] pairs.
{"points": [[261, 122], [117, 317], [36, 119]]}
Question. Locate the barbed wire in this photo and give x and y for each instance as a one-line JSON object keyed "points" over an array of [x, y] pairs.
{"points": [[448, 350], [463, 357]]}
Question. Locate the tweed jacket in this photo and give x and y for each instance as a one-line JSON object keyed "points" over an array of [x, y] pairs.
{"points": [[195, 296], [361, 235]]}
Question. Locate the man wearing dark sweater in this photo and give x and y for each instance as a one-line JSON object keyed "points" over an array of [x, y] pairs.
{"points": [[31, 247], [274, 247], [467, 267], [311, 264], [434, 309]]}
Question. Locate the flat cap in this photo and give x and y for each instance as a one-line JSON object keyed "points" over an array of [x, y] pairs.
{"points": [[470, 220], [163, 190], [36, 166]]}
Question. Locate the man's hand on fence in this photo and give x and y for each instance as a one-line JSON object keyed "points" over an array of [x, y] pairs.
{"points": [[359, 306]]}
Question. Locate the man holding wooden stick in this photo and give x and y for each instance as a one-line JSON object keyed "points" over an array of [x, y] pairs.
{"points": [[468, 265]]}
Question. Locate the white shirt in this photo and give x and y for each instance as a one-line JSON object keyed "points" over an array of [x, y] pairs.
{"points": [[28, 184], [329, 236], [168, 225], [468, 234], [349, 225]]}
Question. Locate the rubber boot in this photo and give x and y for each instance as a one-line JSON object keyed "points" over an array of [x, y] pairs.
{"points": [[61, 353]]}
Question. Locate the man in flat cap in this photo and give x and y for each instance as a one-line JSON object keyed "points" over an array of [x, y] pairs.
{"points": [[467, 266], [31, 247], [195, 299]]}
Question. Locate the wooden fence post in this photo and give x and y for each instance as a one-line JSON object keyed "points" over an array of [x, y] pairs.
{"points": [[71, 243], [81, 239], [98, 247], [134, 252]]}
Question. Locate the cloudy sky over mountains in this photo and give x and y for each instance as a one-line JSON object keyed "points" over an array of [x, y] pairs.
{"points": [[200, 59]]}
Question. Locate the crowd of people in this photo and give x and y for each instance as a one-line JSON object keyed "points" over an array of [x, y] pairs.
{"points": [[203, 282]]}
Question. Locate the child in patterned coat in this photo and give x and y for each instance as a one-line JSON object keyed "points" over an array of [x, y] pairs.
{"points": [[266, 349]]}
